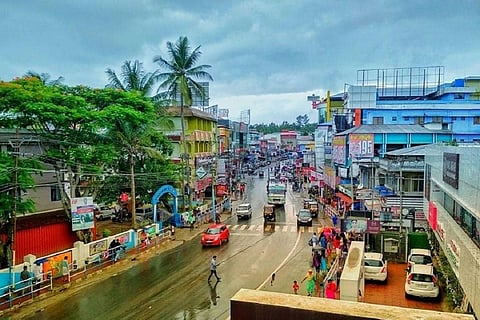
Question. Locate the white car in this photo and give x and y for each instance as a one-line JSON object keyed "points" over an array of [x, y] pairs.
{"points": [[375, 267], [103, 212], [419, 256], [421, 282], [244, 211]]}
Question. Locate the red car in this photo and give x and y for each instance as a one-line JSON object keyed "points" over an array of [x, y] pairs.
{"points": [[215, 235]]}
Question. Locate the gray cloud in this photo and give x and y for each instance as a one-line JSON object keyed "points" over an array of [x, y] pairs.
{"points": [[265, 55]]}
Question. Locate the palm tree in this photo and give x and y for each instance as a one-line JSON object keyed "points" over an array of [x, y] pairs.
{"points": [[135, 140], [180, 78], [132, 78], [44, 78]]}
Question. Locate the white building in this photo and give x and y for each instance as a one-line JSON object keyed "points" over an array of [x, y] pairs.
{"points": [[452, 190]]}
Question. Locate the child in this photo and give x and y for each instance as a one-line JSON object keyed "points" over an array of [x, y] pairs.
{"points": [[295, 287]]}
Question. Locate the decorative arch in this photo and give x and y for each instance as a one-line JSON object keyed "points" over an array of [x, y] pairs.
{"points": [[158, 194]]}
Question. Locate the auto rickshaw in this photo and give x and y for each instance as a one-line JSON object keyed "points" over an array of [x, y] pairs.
{"points": [[306, 203], [313, 206], [269, 212]]}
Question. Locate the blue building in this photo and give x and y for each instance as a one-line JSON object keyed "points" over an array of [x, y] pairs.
{"points": [[416, 95]]}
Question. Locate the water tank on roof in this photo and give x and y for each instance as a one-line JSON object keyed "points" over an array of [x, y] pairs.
{"points": [[458, 83]]}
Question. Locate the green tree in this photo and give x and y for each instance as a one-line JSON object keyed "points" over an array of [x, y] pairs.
{"points": [[133, 77], [16, 176], [180, 77], [44, 78]]}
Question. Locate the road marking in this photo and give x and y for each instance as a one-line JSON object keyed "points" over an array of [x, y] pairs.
{"points": [[285, 228], [234, 227], [260, 228], [252, 227], [243, 227], [281, 263]]}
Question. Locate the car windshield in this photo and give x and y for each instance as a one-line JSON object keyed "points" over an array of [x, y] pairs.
{"points": [[421, 259], [304, 214], [373, 263], [213, 231], [242, 207]]}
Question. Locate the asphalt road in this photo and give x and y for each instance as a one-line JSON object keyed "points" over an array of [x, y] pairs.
{"points": [[173, 284]]}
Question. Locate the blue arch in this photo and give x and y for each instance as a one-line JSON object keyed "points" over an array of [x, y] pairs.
{"points": [[158, 194]]}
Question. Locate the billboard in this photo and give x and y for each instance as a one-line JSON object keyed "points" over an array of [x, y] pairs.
{"points": [[82, 213], [361, 145], [339, 150], [451, 163]]}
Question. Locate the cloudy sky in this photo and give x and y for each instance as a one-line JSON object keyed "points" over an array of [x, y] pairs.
{"points": [[266, 55]]}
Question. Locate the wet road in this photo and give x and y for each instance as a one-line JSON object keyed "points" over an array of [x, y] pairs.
{"points": [[173, 285]]}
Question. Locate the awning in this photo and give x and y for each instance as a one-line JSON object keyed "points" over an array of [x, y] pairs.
{"points": [[344, 198]]}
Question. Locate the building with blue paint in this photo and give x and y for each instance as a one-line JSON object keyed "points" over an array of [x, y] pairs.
{"points": [[416, 95]]}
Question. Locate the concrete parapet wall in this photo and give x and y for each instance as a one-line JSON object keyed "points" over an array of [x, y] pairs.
{"points": [[253, 304]]}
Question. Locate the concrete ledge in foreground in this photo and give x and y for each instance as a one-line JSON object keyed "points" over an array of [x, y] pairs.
{"points": [[253, 304]]}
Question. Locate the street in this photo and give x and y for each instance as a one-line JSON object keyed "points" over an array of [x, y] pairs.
{"points": [[173, 285]]}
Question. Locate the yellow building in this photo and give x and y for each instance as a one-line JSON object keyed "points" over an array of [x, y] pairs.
{"points": [[201, 145]]}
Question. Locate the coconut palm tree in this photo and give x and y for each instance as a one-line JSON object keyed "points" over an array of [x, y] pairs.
{"points": [[44, 78], [180, 78], [132, 78]]}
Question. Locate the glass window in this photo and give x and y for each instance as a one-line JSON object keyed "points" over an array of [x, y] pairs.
{"points": [[377, 120], [437, 119], [466, 220], [449, 204], [394, 118], [55, 193], [419, 120], [476, 120], [476, 229]]}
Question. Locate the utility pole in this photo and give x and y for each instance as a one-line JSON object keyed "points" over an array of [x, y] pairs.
{"points": [[15, 143]]}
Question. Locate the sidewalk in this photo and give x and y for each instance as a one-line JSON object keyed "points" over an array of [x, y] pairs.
{"points": [[84, 278]]}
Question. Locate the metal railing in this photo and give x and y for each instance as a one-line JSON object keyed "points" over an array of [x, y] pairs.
{"points": [[24, 290]]}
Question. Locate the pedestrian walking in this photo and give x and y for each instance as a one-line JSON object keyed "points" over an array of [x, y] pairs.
{"points": [[330, 289], [24, 277], [273, 279], [65, 269], [295, 287], [314, 239], [213, 268], [310, 277]]}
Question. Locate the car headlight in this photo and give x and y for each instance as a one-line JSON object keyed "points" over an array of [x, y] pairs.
{"points": [[309, 219]]}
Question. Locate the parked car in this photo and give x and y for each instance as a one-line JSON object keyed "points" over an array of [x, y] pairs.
{"points": [[145, 212], [304, 218], [215, 235], [375, 267], [103, 212], [419, 256], [244, 211], [421, 282]]}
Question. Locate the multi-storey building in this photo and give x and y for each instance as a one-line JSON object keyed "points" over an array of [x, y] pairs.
{"points": [[416, 95], [451, 191], [201, 148]]}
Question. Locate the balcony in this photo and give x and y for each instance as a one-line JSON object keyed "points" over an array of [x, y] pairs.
{"points": [[406, 165]]}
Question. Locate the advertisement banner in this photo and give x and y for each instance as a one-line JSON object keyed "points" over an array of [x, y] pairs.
{"points": [[361, 145], [339, 150], [82, 213]]}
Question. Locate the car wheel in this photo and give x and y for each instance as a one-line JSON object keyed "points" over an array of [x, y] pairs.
{"points": [[407, 296]]}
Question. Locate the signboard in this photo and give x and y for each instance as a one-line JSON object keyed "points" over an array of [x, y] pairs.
{"points": [[361, 145], [339, 150], [373, 226], [82, 213], [201, 172], [451, 168]]}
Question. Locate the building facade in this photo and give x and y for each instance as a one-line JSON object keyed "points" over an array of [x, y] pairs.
{"points": [[405, 96], [452, 186]]}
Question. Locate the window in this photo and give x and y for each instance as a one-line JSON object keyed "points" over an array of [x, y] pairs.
{"points": [[406, 118], [454, 118], [462, 118], [55, 193], [377, 120], [419, 120], [394, 118], [476, 120], [459, 96], [437, 119]]}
